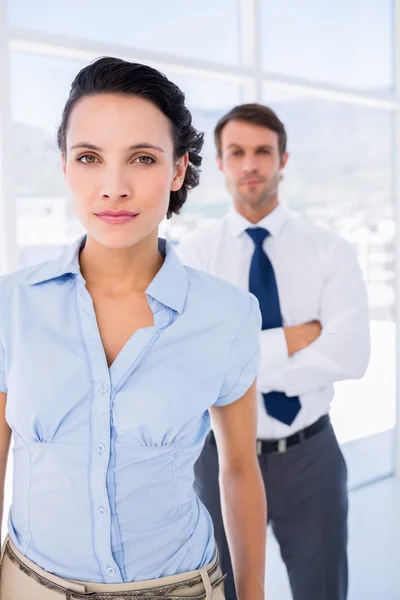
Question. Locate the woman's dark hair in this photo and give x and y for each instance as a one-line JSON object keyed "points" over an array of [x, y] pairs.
{"points": [[116, 76], [257, 114]]}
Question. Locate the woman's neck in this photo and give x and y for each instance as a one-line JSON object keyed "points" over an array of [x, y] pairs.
{"points": [[120, 270]]}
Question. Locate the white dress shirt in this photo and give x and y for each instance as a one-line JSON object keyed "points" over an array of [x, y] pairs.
{"points": [[318, 277]]}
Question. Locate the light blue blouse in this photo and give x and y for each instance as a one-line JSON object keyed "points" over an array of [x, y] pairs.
{"points": [[104, 457]]}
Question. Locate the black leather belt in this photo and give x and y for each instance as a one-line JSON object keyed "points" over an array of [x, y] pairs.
{"points": [[270, 446]]}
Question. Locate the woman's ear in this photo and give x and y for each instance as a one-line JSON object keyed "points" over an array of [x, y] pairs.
{"points": [[180, 172]]}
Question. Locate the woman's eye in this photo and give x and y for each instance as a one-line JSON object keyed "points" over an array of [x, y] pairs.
{"points": [[87, 159], [144, 160]]}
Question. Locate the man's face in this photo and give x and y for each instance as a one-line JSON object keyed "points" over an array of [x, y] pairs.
{"points": [[251, 163]]}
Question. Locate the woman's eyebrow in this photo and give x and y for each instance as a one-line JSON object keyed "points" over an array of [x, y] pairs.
{"points": [[141, 146]]}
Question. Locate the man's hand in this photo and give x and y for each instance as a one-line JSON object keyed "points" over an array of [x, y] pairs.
{"points": [[299, 337]]}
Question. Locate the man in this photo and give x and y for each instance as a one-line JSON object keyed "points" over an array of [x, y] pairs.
{"points": [[315, 331]]}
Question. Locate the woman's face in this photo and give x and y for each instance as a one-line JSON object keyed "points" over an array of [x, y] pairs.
{"points": [[120, 168]]}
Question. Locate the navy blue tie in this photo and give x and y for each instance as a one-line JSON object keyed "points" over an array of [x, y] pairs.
{"points": [[262, 284]]}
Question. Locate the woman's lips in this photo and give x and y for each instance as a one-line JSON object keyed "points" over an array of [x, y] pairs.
{"points": [[116, 217]]}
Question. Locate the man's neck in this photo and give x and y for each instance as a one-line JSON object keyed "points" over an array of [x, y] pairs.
{"points": [[255, 214]]}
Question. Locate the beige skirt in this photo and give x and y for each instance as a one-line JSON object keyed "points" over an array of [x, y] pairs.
{"points": [[21, 579]]}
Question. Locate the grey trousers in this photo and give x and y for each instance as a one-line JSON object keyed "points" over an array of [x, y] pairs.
{"points": [[307, 508]]}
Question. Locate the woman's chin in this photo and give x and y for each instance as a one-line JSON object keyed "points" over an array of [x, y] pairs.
{"points": [[118, 238]]}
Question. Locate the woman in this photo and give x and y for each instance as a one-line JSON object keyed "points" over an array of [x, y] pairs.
{"points": [[110, 358]]}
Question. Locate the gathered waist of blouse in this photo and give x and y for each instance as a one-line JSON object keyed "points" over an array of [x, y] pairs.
{"points": [[145, 506]]}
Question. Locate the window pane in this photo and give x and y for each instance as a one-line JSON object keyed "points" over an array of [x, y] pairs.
{"points": [[343, 42], [203, 30], [339, 176]]}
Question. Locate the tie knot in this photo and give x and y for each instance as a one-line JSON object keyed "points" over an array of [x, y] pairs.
{"points": [[257, 234]]}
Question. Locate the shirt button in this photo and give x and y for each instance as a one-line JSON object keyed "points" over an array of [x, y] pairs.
{"points": [[101, 512], [110, 571], [100, 448], [103, 388]]}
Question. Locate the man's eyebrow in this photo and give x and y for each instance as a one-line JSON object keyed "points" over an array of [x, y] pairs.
{"points": [[268, 146]]}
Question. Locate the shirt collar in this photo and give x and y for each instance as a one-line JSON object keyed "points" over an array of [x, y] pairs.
{"points": [[169, 286], [273, 222]]}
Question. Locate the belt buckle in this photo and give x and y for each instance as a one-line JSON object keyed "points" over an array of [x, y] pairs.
{"points": [[282, 446], [259, 447]]}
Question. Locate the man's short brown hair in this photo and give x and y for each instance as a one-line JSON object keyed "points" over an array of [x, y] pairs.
{"points": [[256, 114]]}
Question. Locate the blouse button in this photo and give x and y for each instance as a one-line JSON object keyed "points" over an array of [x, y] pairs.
{"points": [[110, 571], [101, 512], [103, 387], [100, 448]]}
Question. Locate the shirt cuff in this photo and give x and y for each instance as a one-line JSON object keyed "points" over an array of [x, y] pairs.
{"points": [[274, 357], [274, 350]]}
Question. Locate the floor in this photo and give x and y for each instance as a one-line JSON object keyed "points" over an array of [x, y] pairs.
{"points": [[374, 547]]}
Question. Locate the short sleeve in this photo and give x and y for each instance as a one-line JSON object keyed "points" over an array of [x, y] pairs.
{"points": [[245, 356]]}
